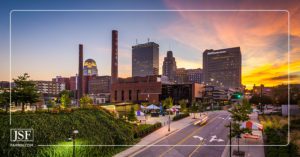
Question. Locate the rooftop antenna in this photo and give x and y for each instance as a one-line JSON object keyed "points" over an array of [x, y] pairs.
{"points": [[148, 40], [136, 41]]}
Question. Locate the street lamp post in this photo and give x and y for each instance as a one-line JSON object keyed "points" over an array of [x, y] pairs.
{"points": [[74, 136], [169, 122], [230, 139]]}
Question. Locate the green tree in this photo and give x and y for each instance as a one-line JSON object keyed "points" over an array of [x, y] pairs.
{"points": [[260, 99], [69, 93], [4, 100], [168, 103], [51, 104], [183, 105], [194, 108], [264, 99], [85, 101], [280, 94], [131, 115], [239, 114], [65, 101], [202, 106], [25, 91]]}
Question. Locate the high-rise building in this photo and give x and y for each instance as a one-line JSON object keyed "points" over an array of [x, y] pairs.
{"points": [[223, 67], [145, 59], [114, 56], [90, 68], [169, 66]]}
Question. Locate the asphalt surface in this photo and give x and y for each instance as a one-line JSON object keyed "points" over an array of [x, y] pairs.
{"points": [[193, 140]]}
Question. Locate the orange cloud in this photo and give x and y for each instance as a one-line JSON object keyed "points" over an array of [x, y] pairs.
{"points": [[271, 74], [262, 36]]}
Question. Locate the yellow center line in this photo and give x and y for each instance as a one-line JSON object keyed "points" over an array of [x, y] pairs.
{"points": [[200, 144], [184, 139]]}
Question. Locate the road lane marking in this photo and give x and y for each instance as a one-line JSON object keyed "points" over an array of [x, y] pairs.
{"points": [[187, 137], [214, 138], [199, 137], [169, 135], [194, 151]]}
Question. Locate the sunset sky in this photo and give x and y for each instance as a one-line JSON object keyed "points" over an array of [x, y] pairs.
{"points": [[45, 44]]}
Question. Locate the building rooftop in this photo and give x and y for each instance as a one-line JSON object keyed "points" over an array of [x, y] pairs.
{"points": [[148, 44]]}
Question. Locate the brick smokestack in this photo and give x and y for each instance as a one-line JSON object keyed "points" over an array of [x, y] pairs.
{"points": [[80, 72], [114, 56]]}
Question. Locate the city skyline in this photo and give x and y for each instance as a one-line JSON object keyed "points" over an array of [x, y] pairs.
{"points": [[263, 41]]}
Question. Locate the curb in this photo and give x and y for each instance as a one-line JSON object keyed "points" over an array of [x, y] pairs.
{"points": [[226, 150]]}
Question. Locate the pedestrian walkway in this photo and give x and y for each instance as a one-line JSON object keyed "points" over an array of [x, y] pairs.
{"points": [[158, 135], [245, 143]]}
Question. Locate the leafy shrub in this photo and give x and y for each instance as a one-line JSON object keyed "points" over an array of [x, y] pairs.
{"points": [[276, 131], [145, 129], [180, 116], [95, 126]]}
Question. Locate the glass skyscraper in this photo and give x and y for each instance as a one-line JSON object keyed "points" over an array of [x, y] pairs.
{"points": [[223, 67], [145, 59]]}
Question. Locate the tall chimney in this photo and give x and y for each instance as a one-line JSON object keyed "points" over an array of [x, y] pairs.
{"points": [[80, 72], [114, 56]]}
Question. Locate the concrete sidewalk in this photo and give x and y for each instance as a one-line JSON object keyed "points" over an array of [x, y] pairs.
{"points": [[157, 136], [244, 144]]}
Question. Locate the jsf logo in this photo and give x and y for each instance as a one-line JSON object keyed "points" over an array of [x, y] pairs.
{"points": [[21, 135]]}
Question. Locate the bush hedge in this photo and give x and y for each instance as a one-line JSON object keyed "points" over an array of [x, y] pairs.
{"points": [[279, 137], [95, 126], [180, 116], [145, 129], [276, 131]]}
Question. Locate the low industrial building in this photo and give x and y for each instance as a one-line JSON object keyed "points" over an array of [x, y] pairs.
{"points": [[153, 90]]}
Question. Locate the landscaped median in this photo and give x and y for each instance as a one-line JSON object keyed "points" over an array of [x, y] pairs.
{"points": [[96, 126]]}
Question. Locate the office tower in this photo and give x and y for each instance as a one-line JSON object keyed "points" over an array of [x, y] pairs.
{"points": [[145, 59], [169, 66], [223, 67]]}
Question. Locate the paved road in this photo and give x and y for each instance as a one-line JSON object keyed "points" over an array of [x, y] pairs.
{"points": [[185, 141]]}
